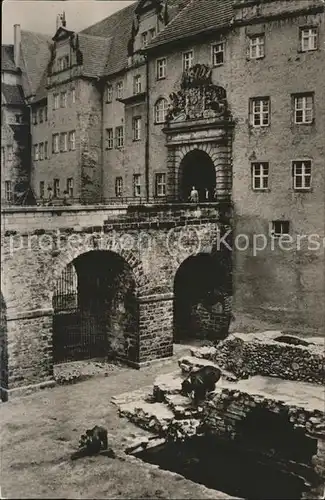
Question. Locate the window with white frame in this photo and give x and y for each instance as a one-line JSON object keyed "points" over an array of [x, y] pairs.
{"points": [[63, 63], [45, 113], [36, 152], [301, 173], [152, 33], [160, 185], [304, 108], [73, 95], [41, 115], [161, 109], [70, 187], [260, 175], [72, 140], [56, 188], [218, 50], [34, 117], [136, 128], [118, 187], [308, 38], [55, 143], [119, 137], [41, 151], [260, 111], [109, 93], [137, 185], [109, 138], [8, 191], [187, 60], [63, 99], [279, 228], [144, 39], [119, 90], [257, 46], [41, 189], [161, 68], [10, 152], [64, 142], [45, 150], [137, 84], [56, 101]]}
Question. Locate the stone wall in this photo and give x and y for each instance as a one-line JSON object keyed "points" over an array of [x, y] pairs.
{"points": [[260, 354]]}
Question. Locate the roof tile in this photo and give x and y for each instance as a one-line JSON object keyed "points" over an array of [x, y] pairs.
{"points": [[13, 94]]}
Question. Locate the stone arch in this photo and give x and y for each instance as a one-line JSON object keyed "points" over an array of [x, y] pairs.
{"points": [[4, 356], [196, 169], [95, 308], [66, 257], [200, 311]]}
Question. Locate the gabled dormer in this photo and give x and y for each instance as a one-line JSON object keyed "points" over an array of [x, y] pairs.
{"points": [[150, 17]]}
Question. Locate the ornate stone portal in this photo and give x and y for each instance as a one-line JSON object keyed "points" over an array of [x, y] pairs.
{"points": [[199, 119]]}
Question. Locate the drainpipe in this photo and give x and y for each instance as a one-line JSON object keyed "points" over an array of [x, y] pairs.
{"points": [[147, 131]]}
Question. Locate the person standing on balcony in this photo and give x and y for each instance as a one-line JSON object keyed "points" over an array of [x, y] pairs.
{"points": [[49, 195], [206, 194], [66, 198], [194, 195]]}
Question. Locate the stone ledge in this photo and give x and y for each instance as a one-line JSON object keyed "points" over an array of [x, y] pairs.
{"points": [[25, 390], [155, 298], [36, 313]]}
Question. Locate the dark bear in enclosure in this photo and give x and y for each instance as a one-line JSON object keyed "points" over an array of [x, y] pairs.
{"points": [[92, 442], [201, 382]]}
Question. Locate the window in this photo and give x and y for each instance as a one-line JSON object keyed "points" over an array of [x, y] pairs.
{"points": [[161, 109], [137, 84], [10, 153], [41, 151], [279, 228], [109, 93], [45, 150], [260, 175], [136, 128], [304, 108], [72, 141], [109, 138], [41, 189], [218, 53], [137, 185], [34, 117], [64, 141], [45, 113], [63, 99], [119, 90], [63, 63], [187, 60], [301, 171], [19, 118], [73, 95], [161, 68], [119, 137], [144, 39], [56, 101], [118, 187], [70, 187], [8, 191], [152, 33], [56, 186], [160, 184], [257, 46], [55, 143], [308, 39], [260, 111], [41, 115]]}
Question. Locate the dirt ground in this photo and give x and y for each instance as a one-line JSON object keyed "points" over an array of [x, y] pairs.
{"points": [[40, 431]]}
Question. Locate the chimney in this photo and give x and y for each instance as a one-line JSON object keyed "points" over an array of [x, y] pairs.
{"points": [[17, 40]]}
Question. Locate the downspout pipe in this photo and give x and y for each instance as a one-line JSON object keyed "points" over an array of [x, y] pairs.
{"points": [[147, 145]]}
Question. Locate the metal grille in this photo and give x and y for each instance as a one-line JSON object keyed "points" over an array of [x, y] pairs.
{"points": [[78, 332]]}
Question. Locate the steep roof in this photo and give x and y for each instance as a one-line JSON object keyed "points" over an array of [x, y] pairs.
{"points": [[95, 51], [7, 58], [35, 53], [13, 94], [198, 16]]}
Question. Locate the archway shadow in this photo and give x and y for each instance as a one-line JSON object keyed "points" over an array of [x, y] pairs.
{"points": [[197, 170]]}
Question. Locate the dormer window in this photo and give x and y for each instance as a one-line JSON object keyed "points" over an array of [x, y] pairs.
{"points": [[144, 39], [152, 33], [63, 63], [119, 90]]}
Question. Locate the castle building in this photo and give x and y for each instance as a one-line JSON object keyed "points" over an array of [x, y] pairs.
{"points": [[224, 96]]}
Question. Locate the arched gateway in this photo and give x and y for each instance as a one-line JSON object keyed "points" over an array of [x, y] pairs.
{"points": [[95, 309]]}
